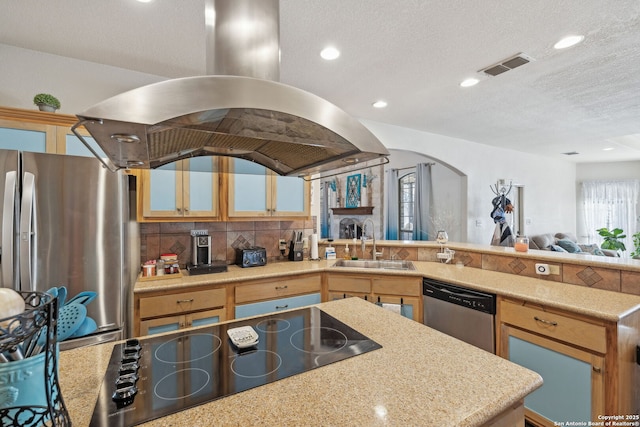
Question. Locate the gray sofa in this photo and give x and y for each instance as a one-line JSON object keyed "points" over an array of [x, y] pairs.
{"points": [[567, 242]]}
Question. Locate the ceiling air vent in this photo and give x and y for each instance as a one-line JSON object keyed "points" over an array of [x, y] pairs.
{"points": [[571, 153], [507, 64]]}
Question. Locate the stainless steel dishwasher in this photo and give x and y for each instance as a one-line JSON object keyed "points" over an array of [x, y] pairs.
{"points": [[462, 313]]}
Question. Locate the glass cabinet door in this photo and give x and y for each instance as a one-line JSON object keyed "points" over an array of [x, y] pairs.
{"points": [[162, 191], [200, 186], [181, 189], [573, 378], [27, 137], [249, 189], [257, 191], [291, 196], [72, 145]]}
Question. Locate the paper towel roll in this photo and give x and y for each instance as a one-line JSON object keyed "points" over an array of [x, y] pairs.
{"points": [[313, 242]]}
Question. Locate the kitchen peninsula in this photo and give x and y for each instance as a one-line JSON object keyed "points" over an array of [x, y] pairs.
{"points": [[425, 376], [418, 377]]}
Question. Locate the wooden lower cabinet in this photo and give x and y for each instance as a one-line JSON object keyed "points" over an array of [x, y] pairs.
{"points": [[268, 295], [400, 294], [173, 323], [584, 362], [169, 311], [271, 306]]}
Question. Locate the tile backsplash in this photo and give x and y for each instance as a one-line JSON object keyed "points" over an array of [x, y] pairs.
{"points": [[175, 237]]}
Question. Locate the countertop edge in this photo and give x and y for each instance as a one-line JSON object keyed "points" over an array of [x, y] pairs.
{"points": [[544, 292]]}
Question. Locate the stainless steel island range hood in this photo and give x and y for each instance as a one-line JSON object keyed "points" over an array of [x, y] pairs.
{"points": [[237, 110]]}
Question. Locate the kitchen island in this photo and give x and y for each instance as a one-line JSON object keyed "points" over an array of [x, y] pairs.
{"points": [[419, 377]]}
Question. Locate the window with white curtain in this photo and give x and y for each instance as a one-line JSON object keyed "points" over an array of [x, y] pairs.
{"points": [[406, 201], [611, 204]]}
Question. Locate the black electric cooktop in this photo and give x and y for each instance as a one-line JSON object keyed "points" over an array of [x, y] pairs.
{"points": [[157, 376]]}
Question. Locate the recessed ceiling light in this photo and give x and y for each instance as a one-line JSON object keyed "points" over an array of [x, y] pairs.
{"points": [[469, 82], [608, 149], [568, 42], [145, 1], [330, 53], [380, 104]]}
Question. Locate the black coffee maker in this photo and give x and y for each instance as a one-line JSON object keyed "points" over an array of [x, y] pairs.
{"points": [[201, 255], [200, 249]]}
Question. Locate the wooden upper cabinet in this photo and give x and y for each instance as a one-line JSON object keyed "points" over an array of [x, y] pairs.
{"points": [[255, 191], [68, 143], [35, 131], [25, 136], [207, 188], [184, 189], [220, 188]]}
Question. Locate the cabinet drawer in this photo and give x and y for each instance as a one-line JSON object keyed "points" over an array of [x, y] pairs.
{"points": [[182, 302], [273, 290], [397, 286], [553, 325], [349, 284], [258, 308]]}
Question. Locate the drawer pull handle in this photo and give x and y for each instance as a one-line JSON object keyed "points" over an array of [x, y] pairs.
{"points": [[546, 322], [282, 287], [280, 307], [597, 369], [180, 301]]}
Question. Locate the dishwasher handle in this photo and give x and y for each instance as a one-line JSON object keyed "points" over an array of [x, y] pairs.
{"points": [[459, 294]]}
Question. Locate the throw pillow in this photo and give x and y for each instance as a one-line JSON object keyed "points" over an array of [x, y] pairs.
{"points": [[591, 248], [556, 248], [569, 246]]}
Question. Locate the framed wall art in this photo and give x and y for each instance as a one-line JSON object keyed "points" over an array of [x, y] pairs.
{"points": [[353, 191]]}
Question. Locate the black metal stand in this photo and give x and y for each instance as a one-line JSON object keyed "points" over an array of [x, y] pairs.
{"points": [[34, 327]]}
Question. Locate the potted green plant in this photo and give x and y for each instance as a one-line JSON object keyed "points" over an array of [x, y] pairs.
{"points": [[636, 245], [612, 239], [46, 102]]}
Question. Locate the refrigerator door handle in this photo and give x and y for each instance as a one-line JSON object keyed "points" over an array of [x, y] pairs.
{"points": [[27, 233], [8, 229]]}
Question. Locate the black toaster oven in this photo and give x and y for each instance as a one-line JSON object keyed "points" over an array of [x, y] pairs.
{"points": [[253, 256]]}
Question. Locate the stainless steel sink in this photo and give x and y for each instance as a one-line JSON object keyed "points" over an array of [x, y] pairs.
{"points": [[380, 264]]}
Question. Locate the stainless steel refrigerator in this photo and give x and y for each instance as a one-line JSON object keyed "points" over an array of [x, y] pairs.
{"points": [[65, 222]]}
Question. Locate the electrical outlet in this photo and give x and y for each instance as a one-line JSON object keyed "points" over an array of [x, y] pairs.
{"points": [[542, 269], [554, 269], [282, 244]]}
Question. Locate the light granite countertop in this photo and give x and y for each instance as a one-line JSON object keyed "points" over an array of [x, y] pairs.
{"points": [[619, 263], [419, 377], [601, 304]]}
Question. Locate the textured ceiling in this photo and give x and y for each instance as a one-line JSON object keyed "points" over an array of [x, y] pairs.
{"points": [[412, 53]]}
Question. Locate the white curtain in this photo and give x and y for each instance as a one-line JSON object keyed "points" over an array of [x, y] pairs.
{"points": [[423, 202], [611, 204], [325, 223], [393, 205]]}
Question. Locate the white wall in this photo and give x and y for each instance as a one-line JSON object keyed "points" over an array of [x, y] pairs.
{"points": [[77, 84], [549, 185]]}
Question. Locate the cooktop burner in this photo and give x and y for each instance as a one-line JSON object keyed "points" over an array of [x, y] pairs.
{"points": [[157, 376]]}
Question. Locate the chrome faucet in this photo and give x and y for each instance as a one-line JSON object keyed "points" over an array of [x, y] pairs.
{"points": [[373, 237]]}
